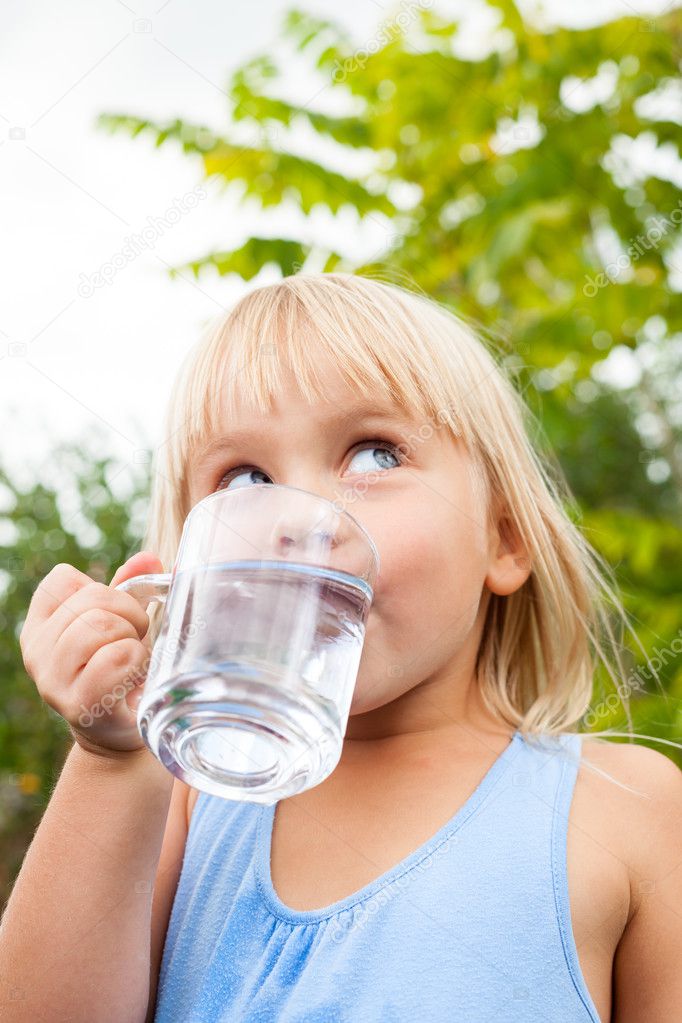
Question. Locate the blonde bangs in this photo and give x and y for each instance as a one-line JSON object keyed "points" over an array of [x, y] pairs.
{"points": [[298, 323]]}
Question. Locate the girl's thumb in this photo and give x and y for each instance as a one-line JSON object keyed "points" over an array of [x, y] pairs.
{"points": [[139, 564]]}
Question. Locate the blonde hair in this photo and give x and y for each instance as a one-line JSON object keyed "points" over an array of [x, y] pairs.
{"points": [[540, 645]]}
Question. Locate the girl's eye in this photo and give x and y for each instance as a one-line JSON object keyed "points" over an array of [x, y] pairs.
{"points": [[252, 475], [381, 446], [249, 473]]}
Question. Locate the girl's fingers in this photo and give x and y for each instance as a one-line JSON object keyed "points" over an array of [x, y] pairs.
{"points": [[83, 637], [95, 596], [84, 644], [99, 691], [142, 563], [58, 585]]}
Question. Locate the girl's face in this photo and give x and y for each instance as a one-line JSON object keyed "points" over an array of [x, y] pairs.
{"points": [[419, 505]]}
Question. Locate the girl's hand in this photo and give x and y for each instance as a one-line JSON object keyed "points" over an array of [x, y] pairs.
{"points": [[83, 645]]}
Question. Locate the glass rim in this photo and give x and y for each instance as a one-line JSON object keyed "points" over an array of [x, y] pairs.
{"points": [[285, 486]]}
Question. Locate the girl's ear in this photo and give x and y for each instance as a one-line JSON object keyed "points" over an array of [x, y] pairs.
{"points": [[509, 565]]}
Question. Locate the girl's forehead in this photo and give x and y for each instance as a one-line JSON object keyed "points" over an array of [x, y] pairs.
{"points": [[330, 391], [322, 414]]}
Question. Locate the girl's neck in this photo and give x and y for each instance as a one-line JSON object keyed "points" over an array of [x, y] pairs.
{"points": [[445, 735], [438, 711]]}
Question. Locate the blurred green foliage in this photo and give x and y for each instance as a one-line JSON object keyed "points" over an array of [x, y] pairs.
{"points": [[504, 185], [86, 522]]}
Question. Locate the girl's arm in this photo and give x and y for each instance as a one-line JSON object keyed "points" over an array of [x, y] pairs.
{"points": [[75, 935], [80, 938], [167, 877], [647, 985]]}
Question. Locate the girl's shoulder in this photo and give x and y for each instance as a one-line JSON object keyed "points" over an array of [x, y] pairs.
{"points": [[649, 774], [630, 762], [636, 793], [629, 809]]}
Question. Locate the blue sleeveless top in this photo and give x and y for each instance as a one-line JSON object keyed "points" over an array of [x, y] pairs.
{"points": [[474, 925]]}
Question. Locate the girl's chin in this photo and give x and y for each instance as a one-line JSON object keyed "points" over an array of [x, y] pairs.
{"points": [[364, 701]]}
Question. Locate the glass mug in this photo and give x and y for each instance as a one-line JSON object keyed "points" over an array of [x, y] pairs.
{"points": [[252, 673]]}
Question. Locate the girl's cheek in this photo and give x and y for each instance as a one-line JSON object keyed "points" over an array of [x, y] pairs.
{"points": [[431, 565], [404, 558], [396, 560]]}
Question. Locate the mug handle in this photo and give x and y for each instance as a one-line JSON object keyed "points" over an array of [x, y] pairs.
{"points": [[147, 588]]}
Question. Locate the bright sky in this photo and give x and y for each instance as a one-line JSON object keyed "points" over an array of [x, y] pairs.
{"points": [[97, 364]]}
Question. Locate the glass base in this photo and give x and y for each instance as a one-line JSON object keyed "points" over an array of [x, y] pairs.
{"points": [[241, 735]]}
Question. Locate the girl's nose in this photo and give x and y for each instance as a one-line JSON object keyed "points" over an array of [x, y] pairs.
{"points": [[288, 537], [304, 520]]}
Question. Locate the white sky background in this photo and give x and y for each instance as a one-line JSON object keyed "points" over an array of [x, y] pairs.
{"points": [[70, 195]]}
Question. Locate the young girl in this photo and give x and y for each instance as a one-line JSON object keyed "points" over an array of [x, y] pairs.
{"points": [[471, 857]]}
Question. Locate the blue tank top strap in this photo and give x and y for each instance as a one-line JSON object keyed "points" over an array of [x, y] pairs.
{"points": [[560, 820]]}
